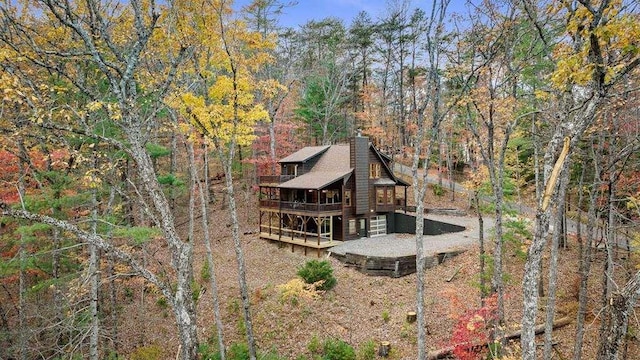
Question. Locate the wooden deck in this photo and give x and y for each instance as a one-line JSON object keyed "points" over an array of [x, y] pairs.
{"points": [[309, 243]]}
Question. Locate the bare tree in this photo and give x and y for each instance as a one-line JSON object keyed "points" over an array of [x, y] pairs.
{"points": [[199, 186], [580, 100], [424, 141], [92, 39]]}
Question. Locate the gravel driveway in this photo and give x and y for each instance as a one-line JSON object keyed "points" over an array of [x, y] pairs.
{"points": [[395, 245]]}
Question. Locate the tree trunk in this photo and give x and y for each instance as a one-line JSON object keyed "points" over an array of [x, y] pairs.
{"points": [[430, 135], [22, 281], [242, 277], [272, 145], [420, 267], [534, 256], [553, 269], [529, 286], [586, 244], [209, 194], [57, 298], [619, 308], [94, 263], [181, 253], [22, 323], [497, 284], [607, 283], [483, 281], [184, 311], [173, 167], [420, 189], [204, 207], [113, 303], [451, 167]]}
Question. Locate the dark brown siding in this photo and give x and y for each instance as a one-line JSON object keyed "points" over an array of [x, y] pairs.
{"points": [[384, 174], [359, 153]]}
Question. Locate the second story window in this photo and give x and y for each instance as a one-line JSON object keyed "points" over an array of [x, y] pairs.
{"points": [[374, 171], [347, 198], [290, 169], [380, 196]]}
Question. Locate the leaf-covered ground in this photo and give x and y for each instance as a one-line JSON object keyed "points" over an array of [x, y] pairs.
{"points": [[359, 309]]}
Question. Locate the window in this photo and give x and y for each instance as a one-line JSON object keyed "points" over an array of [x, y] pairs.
{"points": [[333, 196], [290, 169], [347, 198], [390, 196], [352, 227], [374, 171], [325, 225], [380, 196]]}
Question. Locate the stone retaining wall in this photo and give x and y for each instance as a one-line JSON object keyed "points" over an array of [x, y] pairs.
{"points": [[394, 267]]}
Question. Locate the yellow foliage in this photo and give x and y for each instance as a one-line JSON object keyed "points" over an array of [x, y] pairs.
{"points": [[617, 35], [90, 180], [148, 352], [226, 58], [477, 178], [542, 95], [94, 106], [297, 289]]}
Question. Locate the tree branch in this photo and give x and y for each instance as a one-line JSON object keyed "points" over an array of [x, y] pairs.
{"points": [[92, 239]]}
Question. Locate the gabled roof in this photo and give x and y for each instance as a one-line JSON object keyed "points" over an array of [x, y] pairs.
{"points": [[315, 181], [304, 154], [331, 167], [385, 161]]}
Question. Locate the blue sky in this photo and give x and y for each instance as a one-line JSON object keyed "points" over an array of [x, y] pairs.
{"points": [[320, 9], [307, 10]]}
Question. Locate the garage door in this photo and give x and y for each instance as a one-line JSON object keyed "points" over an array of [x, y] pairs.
{"points": [[378, 226]]}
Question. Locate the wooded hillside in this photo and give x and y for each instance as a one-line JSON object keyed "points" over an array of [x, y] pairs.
{"points": [[122, 123]]}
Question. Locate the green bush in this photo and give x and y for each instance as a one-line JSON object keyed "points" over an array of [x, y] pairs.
{"points": [[205, 276], [335, 349], [314, 271], [162, 302], [238, 351], [386, 316], [438, 190], [314, 345], [208, 352], [367, 351]]}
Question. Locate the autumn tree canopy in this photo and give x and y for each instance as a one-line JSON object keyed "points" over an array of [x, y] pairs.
{"points": [[118, 120]]}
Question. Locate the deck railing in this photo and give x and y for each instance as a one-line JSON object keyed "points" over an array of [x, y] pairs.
{"points": [[272, 204], [275, 179], [295, 205]]}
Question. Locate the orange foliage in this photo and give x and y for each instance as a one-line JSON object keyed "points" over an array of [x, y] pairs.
{"points": [[10, 171]]}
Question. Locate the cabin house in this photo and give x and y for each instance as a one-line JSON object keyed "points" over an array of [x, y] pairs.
{"points": [[329, 194]]}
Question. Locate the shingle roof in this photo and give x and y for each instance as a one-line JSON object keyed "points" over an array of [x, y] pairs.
{"points": [[335, 159], [331, 167], [314, 180], [384, 181], [304, 154]]}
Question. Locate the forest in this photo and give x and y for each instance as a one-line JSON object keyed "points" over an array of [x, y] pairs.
{"points": [[133, 134]]}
